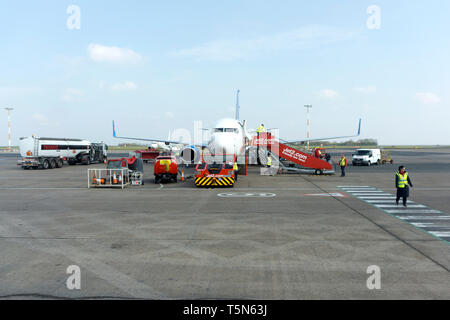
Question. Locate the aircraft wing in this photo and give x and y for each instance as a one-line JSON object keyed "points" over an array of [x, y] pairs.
{"points": [[328, 138], [151, 140]]}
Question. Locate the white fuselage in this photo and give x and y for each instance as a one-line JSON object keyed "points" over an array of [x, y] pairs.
{"points": [[227, 137]]}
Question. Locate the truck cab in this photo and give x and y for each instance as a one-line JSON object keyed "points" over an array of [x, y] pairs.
{"points": [[366, 157]]}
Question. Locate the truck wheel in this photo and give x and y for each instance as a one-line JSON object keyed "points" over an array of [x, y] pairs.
{"points": [[86, 160], [59, 163], [52, 163], [45, 164], [318, 172]]}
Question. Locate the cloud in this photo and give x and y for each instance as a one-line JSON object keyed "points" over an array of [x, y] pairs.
{"points": [[125, 86], [368, 89], [101, 53], [328, 93], [427, 97], [19, 91], [297, 39], [43, 120], [71, 94], [169, 115]]}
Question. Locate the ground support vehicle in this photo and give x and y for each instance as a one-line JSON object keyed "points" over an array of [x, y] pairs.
{"points": [[165, 169], [214, 175]]}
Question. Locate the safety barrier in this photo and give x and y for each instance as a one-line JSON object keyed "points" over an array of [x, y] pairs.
{"points": [[110, 178]]}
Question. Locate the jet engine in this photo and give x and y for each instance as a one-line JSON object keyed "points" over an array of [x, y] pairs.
{"points": [[190, 154]]}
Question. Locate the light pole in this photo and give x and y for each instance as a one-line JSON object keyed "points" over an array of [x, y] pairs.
{"points": [[9, 127], [307, 106]]}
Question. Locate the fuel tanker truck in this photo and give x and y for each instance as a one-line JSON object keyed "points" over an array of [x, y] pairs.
{"points": [[49, 153]]}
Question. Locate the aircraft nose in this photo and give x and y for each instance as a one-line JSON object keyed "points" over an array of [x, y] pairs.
{"points": [[223, 145]]}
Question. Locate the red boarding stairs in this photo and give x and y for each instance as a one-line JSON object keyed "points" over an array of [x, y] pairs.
{"points": [[267, 140]]}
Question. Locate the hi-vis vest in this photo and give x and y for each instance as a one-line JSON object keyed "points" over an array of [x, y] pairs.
{"points": [[261, 129], [402, 179], [269, 161], [342, 162], [235, 167]]}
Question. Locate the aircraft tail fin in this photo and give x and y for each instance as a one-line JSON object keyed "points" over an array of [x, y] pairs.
{"points": [[237, 104], [359, 127], [114, 129]]}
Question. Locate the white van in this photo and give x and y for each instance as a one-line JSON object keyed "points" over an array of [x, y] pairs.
{"points": [[366, 157]]}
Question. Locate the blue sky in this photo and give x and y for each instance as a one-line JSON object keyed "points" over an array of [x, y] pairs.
{"points": [[155, 66]]}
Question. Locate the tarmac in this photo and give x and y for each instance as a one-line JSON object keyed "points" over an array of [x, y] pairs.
{"points": [[286, 236]]}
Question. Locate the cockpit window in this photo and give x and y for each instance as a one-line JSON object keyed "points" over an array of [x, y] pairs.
{"points": [[218, 130]]}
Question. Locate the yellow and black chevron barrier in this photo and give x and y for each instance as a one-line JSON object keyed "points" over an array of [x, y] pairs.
{"points": [[214, 181]]}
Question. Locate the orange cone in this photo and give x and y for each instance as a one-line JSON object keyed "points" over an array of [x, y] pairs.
{"points": [[182, 175], [94, 178], [114, 178]]}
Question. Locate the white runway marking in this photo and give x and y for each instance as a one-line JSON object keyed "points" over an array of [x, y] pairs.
{"points": [[415, 214], [371, 194], [352, 187], [424, 217], [247, 195], [370, 198], [395, 206], [366, 191], [413, 211], [440, 234], [374, 202], [429, 225]]}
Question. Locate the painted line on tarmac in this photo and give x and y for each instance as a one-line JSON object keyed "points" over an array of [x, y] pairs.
{"points": [[421, 211], [424, 217], [417, 215], [371, 194], [365, 191], [247, 195], [396, 206], [384, 201]]}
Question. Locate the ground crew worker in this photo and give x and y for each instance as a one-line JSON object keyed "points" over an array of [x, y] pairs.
{"points": [[317, 153], [269, 161], [343, 164], [259, 130], [269, 164], [235, 169], [402, 183]]}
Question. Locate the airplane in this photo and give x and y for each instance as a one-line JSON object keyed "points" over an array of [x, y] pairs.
{"points": [[228, 136]]}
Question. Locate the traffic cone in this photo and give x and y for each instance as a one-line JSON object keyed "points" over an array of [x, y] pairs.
{"points": [[94, 178], [182, 175], [114, 178]]}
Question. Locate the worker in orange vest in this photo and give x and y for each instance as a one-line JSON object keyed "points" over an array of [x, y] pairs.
{"points": [[343, 164]]}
